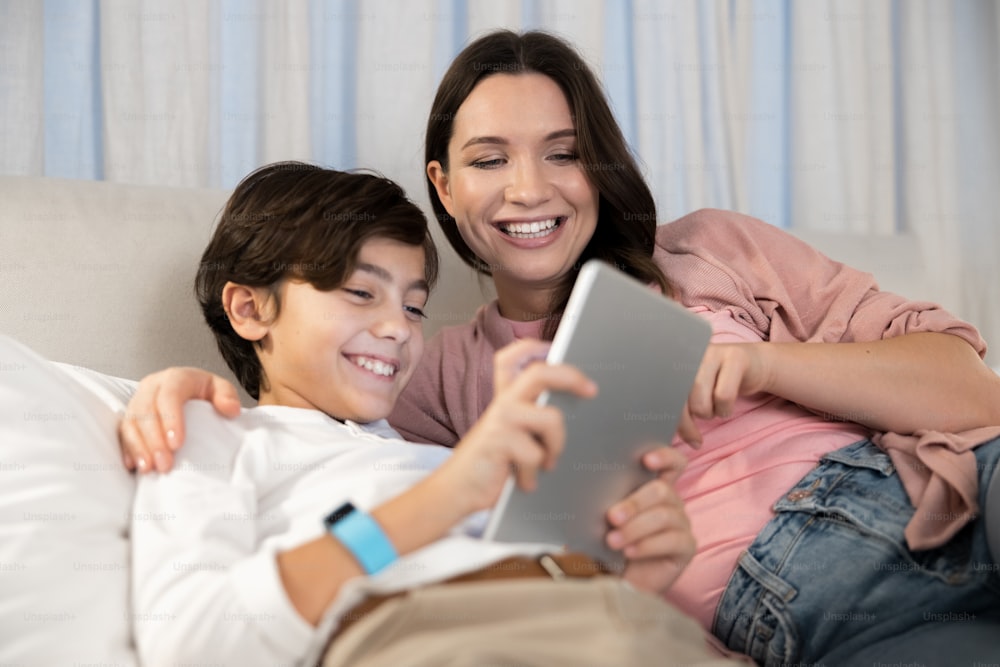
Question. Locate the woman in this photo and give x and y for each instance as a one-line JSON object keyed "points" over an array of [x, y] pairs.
{"points": [[789, 498]]}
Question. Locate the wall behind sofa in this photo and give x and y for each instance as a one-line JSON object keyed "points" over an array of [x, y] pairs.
{"points": [[861, 118]]}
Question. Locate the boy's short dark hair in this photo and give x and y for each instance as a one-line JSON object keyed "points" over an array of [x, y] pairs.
{"points": [[292, 220]]}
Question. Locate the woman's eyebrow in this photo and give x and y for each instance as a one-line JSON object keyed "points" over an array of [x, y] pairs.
{"points": [[484, 140], [558, 134]]}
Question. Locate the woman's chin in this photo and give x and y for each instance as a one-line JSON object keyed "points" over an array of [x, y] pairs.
{"points": [[536, 271]]}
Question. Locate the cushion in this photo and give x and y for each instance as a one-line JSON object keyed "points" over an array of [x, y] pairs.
{"points": [[65, 510]]}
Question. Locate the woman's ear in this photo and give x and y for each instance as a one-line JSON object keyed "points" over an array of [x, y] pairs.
{"points": [[439, 177], [247, 308]]}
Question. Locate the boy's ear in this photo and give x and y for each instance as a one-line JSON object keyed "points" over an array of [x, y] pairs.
{"points": [[247, 308], [439, 177]]}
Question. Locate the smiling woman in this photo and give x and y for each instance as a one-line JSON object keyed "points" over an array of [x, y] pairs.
{"points": [[520, 132], [530, 192]]}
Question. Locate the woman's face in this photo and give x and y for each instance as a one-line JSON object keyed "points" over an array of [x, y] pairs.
{"points": [[523, 203]]}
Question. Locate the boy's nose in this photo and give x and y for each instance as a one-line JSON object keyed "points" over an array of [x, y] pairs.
{"points": [[392, 323]]}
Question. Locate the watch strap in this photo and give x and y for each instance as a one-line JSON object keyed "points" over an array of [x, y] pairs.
{"points": [[361, 535]]}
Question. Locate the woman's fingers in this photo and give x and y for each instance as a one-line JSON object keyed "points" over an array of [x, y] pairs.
{"points": [[727, 372], [185, 385], [730, 379], [153, 425], [700, 401], [720, 380], [687, 430], [134, 453]]}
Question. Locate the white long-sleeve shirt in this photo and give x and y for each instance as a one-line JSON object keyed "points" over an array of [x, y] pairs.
{"points": [[206, 587]]}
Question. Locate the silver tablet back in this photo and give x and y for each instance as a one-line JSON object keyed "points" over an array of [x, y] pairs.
{"points": [[643, 350]]}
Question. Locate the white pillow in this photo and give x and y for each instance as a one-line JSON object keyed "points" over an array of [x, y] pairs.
{"points": [[65, 510], [114, 391]]}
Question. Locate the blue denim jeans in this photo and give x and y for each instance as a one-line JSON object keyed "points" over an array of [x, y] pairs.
{"points": [[830, 580]]}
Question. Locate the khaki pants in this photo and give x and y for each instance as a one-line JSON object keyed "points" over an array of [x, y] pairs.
{"points": [[600, 621]]}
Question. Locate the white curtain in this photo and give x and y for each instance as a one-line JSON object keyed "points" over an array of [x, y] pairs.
{"points": [[868, 122]]}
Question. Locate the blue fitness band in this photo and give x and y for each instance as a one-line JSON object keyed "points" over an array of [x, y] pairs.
{"points": [[362, 536]]}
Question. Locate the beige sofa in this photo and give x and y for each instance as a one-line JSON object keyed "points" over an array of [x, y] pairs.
{"points": [[100, 274]]}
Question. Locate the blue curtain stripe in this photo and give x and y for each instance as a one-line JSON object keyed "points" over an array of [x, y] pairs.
{"points": [[239, 108], [72, 90]]}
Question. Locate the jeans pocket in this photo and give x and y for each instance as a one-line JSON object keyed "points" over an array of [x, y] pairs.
{"points": [[858, 487], [754, 616]]}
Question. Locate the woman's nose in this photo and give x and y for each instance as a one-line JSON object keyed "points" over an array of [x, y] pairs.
{"points": [[529, 185]]}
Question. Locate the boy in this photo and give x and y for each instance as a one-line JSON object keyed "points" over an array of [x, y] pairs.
{"points": [[252, 550]]}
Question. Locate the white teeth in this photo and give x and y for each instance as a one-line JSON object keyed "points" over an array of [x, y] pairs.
{"points": [[530, 230], [375, 366]]}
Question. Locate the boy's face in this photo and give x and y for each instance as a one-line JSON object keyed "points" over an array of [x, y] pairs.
{"points": [[350, 351]]}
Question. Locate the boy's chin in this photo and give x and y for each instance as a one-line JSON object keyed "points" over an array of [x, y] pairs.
{"points": [[365, 415]]}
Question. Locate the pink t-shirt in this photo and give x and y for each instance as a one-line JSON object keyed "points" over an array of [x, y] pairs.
{"points": [[744, 465]]}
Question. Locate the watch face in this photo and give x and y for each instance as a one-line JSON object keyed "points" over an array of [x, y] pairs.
{"points": [[338, 514]]}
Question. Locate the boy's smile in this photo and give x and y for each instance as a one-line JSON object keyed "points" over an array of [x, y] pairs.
{"points": [[349, 351]]}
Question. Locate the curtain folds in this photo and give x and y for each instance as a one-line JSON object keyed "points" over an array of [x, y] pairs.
{"points": [[870, 119]]}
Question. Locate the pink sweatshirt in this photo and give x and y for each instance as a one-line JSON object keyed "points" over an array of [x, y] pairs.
{"points": [[752, 281]]}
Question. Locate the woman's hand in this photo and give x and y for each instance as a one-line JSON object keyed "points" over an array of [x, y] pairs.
{"points": [[727, 371], [651, 527], [513, 433], [153, 425]]}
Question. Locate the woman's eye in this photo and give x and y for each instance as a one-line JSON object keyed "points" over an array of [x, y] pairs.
{"points": [[488, 164], [564, 157], [360, 293]]}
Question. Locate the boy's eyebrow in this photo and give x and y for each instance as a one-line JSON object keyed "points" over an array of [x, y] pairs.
{"points": [[385, 276], [558, 134]]}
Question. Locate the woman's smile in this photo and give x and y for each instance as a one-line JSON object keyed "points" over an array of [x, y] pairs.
{"points": [[543, 229]]}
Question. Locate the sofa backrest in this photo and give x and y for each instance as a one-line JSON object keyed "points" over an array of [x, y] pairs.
{"points": [[100, 274]]}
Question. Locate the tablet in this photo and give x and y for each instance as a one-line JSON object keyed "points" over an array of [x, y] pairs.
{"points": [[643, 351]]}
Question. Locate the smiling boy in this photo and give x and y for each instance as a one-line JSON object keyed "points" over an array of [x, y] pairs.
{"points": [[255, 548]]}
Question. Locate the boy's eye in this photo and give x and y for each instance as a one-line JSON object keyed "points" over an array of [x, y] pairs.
{"points": [[360, 293]]}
